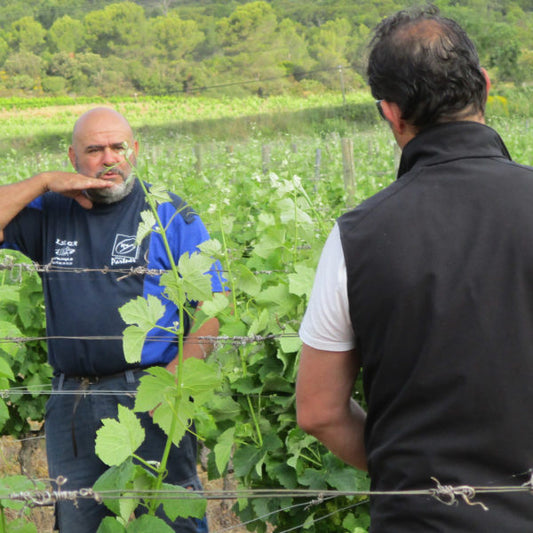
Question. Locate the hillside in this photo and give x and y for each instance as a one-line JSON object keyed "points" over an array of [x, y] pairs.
{"points": [[159, 47]]}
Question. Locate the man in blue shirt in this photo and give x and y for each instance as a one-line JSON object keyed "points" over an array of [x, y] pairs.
{"points": [[88, 220]]}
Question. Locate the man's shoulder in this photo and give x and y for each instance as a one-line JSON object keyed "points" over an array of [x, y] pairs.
{"points": [[182, 208], [175, 204], [375, 203]]}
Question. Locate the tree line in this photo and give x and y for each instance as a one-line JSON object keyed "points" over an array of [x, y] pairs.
{"points": [[163, 47]]}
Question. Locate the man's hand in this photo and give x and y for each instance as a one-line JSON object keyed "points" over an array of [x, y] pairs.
{"points": [[73, 185]]}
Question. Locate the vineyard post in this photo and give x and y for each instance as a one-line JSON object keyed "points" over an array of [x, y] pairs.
{"points": [[318, 162], [348, 170], [265, 157]]}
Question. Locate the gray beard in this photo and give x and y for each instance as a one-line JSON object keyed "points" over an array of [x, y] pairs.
{"points": [[112, 194]]}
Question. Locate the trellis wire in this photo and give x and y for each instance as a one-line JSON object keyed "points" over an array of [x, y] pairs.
{"points": [[445, 494], [36, 268], [205, 339]]}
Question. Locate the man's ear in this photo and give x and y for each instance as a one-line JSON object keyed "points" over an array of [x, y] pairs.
{"points": [[487, 79], [402, 130], [72, 156], [393, 115]]}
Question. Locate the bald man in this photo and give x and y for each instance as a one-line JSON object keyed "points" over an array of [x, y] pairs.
{"points": [[88, 219]]}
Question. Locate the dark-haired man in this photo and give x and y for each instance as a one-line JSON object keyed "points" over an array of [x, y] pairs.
{"points": [[428, 286], [88, 220]]}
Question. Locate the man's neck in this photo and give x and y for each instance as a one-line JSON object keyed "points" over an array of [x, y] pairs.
{"points": [[410, 131]]}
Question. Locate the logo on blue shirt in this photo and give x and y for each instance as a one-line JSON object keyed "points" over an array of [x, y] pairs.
{"points": [[125, 250]]}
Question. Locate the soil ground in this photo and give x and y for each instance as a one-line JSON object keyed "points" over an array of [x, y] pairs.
{"points": [[218, 512]]}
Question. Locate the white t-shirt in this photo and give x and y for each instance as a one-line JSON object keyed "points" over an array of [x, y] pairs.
{"points": [[326, 324]]}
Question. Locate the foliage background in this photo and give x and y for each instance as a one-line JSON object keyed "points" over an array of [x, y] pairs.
{"points": [[162, 47]]}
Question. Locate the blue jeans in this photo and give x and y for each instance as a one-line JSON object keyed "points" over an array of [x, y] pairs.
{"points": [[70, 437]]}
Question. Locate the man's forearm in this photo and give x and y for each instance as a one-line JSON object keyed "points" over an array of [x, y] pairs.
{"points": [[324, 403], [344, 436], [16, 196]]}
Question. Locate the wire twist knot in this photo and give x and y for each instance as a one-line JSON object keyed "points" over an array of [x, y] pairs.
{"points": [[447, 494]]}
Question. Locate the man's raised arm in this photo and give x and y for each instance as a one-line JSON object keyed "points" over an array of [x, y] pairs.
{"points": [[16, 196]]}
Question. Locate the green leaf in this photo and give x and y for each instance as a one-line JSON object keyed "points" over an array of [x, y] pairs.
{"points": [[212, 248], [159, 389], [288, 213], [116, 478], [309, 521], [248, 457], [145, 226], [285, 475], [277, 298], [133, 342], [314, 479], [9, 293], [223, 449], [290, 343], [4, 413], [245, 459], [174, 288], [116, 441], [265, 221], [110, 525], [223, 406], [194, 505], [301, 282], [200, 380], [247, 386], [215, 305], [14, 484], [144, 312], [246, 280], [344, 477], [7, 329], [182, 411], [146, 523], [19, 525], [5, 369], [270, 242], [153, 387], [193, 269], [159, 193], [34, 382], [259, 324]]}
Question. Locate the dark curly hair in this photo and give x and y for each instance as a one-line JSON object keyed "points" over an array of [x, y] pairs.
{"points": [[427, 65]]}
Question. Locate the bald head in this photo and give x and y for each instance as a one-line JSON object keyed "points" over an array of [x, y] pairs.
{"points": [[100, 119], [103, 147]]}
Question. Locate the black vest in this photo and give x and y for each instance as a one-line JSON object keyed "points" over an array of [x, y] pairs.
{"points": [[440, 286]]}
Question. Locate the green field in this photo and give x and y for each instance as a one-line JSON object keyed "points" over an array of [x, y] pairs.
{"points": [[267, 177]]}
